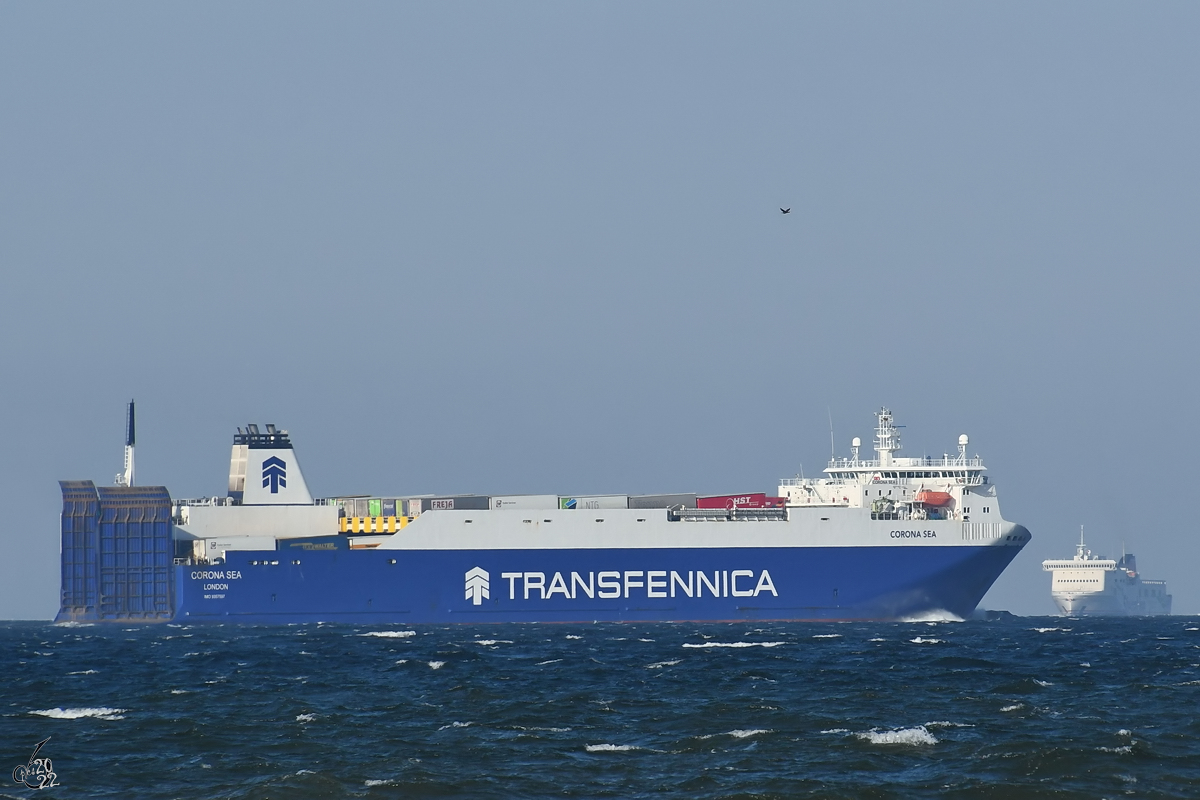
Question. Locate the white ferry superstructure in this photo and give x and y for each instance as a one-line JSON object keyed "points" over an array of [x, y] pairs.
{"points": [[1088, 585]]}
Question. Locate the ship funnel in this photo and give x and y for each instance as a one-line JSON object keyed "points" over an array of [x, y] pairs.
{"points": [[264, 471]]}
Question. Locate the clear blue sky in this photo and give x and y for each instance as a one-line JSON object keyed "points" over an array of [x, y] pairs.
{"points": [[522, 247]]}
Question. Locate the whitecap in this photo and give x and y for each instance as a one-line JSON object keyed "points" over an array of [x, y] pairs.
{"points": [[1124, 732], [922, 640], [79, 713], [436, 664], [661, 664], [610, 748], [456, 725], [180, 691], [877, 639], [1192, 629], [551, 661], [536, 728], [1085, 663], [919, 735], [402, 661], [305, 717], [734, 644], [373, 782], [827, 636], [490, 642], [1125, 748], [83, 672], [1049, 630], [1014, 707], [573, 636], [837, 730], [389, 634], [947, 724], [745, 734], [1042, 683]]}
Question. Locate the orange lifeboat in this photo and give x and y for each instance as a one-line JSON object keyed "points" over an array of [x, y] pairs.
{"points": [[938, 499]]}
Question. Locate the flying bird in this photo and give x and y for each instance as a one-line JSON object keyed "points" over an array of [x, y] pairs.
{"points": [[786, 210]]}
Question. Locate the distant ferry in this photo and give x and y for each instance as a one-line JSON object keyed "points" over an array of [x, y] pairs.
{"points": [[1089, 586], [874, 538]]}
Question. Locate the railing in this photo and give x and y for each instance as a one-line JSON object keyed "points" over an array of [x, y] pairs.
{"points": [[941, 462]]}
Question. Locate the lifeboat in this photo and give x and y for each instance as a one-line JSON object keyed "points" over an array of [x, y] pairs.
{"points": [[938, 499]]}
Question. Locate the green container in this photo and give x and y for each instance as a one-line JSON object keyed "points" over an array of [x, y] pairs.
{"points": [[375, 507]]}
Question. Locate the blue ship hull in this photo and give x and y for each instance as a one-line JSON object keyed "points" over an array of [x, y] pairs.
{"points": [[586, 585]]}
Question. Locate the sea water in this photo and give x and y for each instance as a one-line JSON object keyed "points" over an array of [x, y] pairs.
{"points": [[1016, 707]]}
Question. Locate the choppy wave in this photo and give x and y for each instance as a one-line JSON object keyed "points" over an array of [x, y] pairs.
{"points": [[733, 644], [81, 713], [997, 703], [611, 748], [919, 735], [739, 733]]}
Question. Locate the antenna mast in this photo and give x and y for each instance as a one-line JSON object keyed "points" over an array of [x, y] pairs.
{"points": [[126, 478]]}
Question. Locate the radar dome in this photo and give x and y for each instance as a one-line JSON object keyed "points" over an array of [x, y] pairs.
{"points": [[962, 440], [856, 442]]}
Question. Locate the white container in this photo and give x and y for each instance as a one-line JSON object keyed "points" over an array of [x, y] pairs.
{"points": [[524, 501], [594, 502]]}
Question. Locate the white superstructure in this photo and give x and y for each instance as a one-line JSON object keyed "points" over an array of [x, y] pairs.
{"points": [[947, 487], [1088, 585]]}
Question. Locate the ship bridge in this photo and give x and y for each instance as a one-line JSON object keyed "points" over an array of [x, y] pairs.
{"points": [[929, 487]]}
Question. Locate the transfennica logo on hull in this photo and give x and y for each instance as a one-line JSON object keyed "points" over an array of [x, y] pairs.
{"points": [[478, 585], [623, 584]]}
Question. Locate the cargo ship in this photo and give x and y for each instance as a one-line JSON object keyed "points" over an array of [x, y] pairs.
{"points": [[880, 538], [1090, 586]]}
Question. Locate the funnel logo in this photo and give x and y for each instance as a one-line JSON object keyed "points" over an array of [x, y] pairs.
{"points": [[477, 585], [274, 474]]}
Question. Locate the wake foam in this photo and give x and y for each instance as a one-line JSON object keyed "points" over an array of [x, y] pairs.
{"points": [[936, 615], [921, 640], [389, 634]]}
